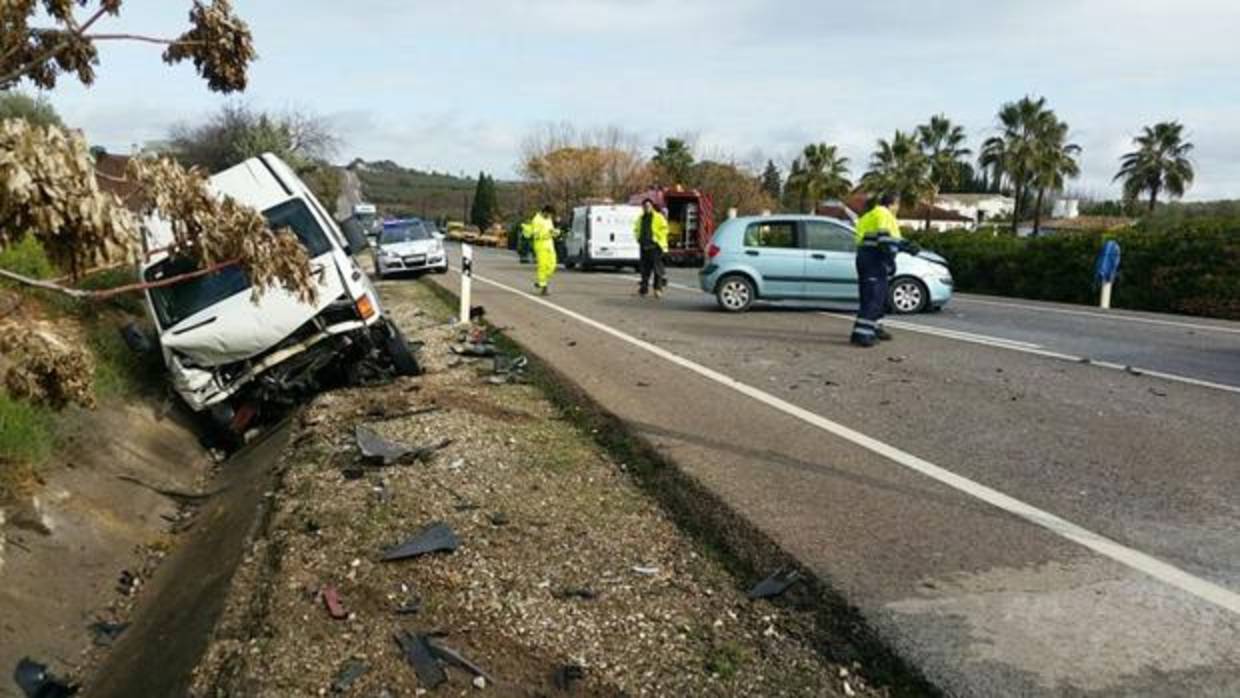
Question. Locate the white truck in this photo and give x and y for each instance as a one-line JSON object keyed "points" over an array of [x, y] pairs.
{"points": [[232, 355], [601, 235]]}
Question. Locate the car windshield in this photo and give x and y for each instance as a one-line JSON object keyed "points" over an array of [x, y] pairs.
{"points": [[403, 233], [184, 299]]}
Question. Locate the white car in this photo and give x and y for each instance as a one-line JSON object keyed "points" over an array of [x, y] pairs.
{"points": [[408, 246], [231, 354]]}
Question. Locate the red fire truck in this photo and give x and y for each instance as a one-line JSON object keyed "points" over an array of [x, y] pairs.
{"points": [[690, 221]]}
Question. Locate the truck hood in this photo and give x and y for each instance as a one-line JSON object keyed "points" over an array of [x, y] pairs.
{"points": [[241, 327]]}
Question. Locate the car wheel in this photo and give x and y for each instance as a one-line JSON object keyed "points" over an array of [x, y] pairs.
{"points": [[907, 296], [403, 360], [735, 293]]}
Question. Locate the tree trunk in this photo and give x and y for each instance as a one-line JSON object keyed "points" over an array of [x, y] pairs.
{"points": [[1153, 198], [1016, 209], [1037, 212]]}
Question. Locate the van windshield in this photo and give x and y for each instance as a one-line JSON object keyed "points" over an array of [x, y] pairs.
{"points": [[184, 299]]}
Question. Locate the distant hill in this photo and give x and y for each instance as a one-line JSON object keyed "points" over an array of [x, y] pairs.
{"points": [[400, 191]]}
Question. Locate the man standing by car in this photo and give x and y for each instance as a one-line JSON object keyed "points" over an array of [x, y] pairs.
{"points": [[878, 238], [650, 229], [540, 231]]}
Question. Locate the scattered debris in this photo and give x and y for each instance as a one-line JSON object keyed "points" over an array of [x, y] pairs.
{"points": [[567, 675], [848, 690], [107, 632], [376, 449], [581, 593], [409, 608], [352, 670], [480, 683], [1084, 360], [498, 518], [643, 384], [1133, 372], [896, 359], [775, 584], [1158, 393], [434, 538], [647, 571], [36, 682], [451, 656], [418, 654], [331, 601], [477, 312], [480, 350]]}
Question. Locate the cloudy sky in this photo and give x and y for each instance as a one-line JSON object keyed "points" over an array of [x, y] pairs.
{"points": [[457, 86]]}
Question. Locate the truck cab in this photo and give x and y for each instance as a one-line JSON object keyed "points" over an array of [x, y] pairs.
{"points": [[226, 345]]}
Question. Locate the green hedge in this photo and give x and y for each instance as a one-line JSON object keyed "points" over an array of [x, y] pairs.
{"points": [[1193, 268]]}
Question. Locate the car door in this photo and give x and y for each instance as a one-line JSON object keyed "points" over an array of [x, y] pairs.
{"points": [[773, 248], [830, 261]]}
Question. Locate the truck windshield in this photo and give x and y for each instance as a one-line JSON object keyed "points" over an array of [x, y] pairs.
{"points": [[403, 233], [184, 299]]}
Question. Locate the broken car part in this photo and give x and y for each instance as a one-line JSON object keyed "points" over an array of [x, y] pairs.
{"points": [[775, 584], [352, 670], [434, 538], [36, 682], [418, 654]]}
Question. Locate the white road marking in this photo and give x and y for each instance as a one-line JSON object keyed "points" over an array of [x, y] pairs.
{"points": [[1101, 316], [1134, 559]]}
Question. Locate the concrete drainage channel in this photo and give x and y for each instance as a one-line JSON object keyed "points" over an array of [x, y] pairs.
{"points": [[171, 626], [842, 634]]}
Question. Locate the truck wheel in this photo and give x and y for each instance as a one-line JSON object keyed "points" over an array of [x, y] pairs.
{"points": [[403, 360]]}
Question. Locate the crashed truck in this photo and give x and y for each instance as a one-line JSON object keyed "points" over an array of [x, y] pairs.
{"points": [[232, 355]]}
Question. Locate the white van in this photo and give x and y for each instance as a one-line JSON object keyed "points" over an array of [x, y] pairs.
{"points": [[602, 236], [226, 350]]}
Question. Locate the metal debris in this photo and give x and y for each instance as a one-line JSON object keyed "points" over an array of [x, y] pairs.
{"points": [[775, 584], [480, 350], [434, 538], [418, 654], [376, 449]]}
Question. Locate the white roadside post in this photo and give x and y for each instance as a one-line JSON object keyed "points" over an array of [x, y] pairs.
{"points": [[1105, 301], [467, 274]]}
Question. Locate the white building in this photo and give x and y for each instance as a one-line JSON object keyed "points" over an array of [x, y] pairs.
{"points": [[979, 208]]}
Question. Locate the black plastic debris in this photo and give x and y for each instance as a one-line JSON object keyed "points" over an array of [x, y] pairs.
{"points": [[504, 363], [567, 675], [350, 672], [418, 654], [409, 608], [582, 593], [36, 682], [107, 633], [775, 584], [434, 538], [451, 656], [477, 312]]}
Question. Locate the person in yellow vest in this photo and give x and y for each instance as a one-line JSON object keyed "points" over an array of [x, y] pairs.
{"points": [[541, 232], [650, 229], [878, 239]]}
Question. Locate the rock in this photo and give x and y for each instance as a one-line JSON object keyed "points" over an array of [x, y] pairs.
{"points": [[480, 683], [848, 690]]}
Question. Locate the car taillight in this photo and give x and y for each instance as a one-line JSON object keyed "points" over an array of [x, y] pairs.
{"points": [[365, 307], [713, 251]]}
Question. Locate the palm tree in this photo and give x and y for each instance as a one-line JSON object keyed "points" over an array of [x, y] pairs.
{"points": [[1054, 162], [942, 142], [821, 172], [900, 167], [675, 158], [1160, 163], [1011, 154]]}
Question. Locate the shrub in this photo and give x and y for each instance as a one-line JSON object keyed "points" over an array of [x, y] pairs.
{"points": [[28, 258], [1191, 267]]}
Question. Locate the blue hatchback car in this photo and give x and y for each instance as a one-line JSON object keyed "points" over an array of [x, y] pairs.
{"points": [[809, 258]]}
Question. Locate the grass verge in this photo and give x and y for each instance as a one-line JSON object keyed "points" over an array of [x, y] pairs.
{"points": [[843, 635]]}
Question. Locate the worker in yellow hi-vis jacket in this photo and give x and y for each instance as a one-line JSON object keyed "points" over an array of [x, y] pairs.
{"points": [[541, 232]]}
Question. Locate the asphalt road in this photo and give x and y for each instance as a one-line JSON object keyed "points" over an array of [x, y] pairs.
{"points": [[1011, 519]]}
